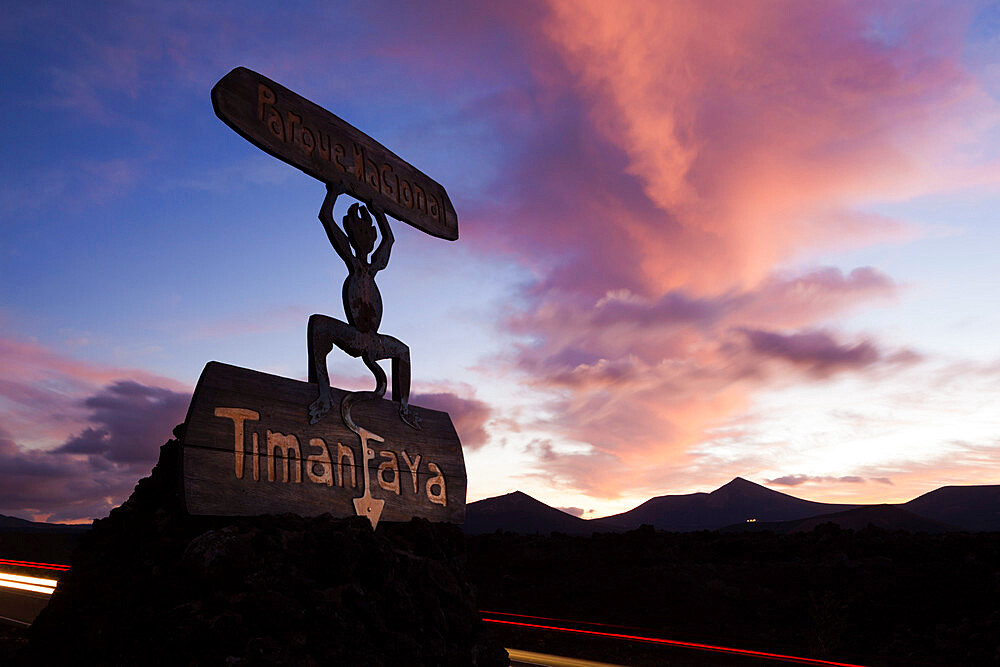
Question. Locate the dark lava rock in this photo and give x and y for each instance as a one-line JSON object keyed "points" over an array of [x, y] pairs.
{"points": [[152, 585]]}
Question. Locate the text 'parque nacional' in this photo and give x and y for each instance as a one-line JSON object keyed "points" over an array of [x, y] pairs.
{"points": [[310, 138]]}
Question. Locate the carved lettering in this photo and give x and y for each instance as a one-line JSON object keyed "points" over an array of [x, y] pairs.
{"points": [[323, 145], [359, 163], [371, 171], [339, 152], [412, 465], [255, 456], [434, 207], [387, 180], [307, 140], [322, 460], [283, 445], [406, 194], [391, 464], [238, 415], [342, 452], [293, 120], [420, 199], [265, 97], [440, 498], [274, 123]]}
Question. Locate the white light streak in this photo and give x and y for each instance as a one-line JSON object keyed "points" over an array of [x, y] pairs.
{"points": [[21, 582]]}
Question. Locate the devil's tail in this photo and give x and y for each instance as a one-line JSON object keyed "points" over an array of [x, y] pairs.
{"points": [[355, 396]]}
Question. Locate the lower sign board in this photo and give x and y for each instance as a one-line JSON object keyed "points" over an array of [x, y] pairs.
{"points": [[249, 449]]}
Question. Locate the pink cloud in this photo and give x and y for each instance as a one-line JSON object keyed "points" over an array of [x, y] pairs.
{"points": [[131, 421], [95, 469], [683, 155], [649, 384], [816, 352], [469, 415], [76, 436], [38, 484], [644, 381], [697, 146], [42, 392], [796, 480], [745, 126]]}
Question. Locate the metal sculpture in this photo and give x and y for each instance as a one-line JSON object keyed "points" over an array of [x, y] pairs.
{"points": [[359, 336]]}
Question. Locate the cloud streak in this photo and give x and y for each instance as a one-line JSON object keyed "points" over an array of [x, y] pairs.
{"points": [[796, 480]]}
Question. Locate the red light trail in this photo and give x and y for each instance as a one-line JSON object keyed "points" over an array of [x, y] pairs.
{"points": [[32, 564], [680, 644]]}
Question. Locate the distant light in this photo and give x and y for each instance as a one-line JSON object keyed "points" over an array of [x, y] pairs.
{"points": [[752, 520], [35, 584]]}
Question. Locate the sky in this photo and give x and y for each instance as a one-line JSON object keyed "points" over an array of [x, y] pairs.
{"points": [[698, 240]]}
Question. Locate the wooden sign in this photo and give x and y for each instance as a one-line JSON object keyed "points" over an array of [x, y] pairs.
{"points": [[249, 449], [307, 136]]}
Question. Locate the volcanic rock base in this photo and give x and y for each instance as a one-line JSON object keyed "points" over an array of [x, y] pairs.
{"points": [[152, 585]]}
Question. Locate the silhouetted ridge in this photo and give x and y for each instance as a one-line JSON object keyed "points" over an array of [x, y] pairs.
{"points": [[734, 502], [520, 513], [741, 486], [15, 524], [971, 507], [741, 490]]}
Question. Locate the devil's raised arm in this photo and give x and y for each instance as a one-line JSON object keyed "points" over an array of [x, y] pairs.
{"points": [[380, 258], [338, 239]]}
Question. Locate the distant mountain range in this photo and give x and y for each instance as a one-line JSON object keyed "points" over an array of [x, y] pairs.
{"points": [[744, 505], [738, 505], [12, 524]]}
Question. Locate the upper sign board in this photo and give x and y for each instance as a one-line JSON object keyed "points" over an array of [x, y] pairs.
{"points": [[307, 136]]}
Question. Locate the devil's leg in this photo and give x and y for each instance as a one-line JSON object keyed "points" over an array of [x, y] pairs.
{"points": [[397, 350], [323, 333]]}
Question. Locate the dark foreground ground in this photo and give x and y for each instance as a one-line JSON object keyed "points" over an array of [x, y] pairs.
{"points": [[872, 597]]}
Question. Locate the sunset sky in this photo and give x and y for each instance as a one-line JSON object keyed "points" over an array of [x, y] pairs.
{"points": [[698, 240]]}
